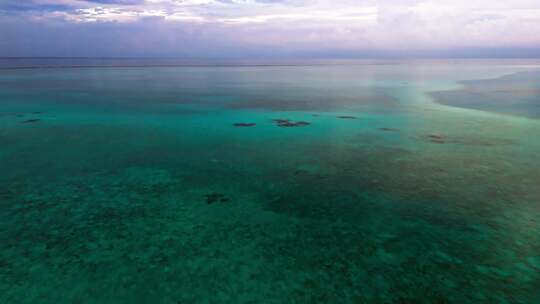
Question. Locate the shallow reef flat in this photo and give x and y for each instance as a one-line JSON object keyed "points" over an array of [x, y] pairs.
{"points": [[202, 201], [516, 94]]}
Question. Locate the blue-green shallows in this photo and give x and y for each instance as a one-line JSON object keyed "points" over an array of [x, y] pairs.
{"points": [[386, 183]]}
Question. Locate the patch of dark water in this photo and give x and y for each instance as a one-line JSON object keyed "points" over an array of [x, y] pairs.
{"points": [[469, 141], [33, 120], [244, 124], [286, 123], [215, 198], [438, 139]]}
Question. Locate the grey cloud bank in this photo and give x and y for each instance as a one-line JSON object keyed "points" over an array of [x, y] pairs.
{"points": [[288, 28]]}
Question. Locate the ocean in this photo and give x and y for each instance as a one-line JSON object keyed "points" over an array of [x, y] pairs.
{"points": [[168, 181]]}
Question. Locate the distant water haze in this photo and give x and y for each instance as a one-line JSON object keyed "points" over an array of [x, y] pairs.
{"points": [[88, 62]]}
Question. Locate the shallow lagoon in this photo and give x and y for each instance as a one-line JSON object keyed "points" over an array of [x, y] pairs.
{"points": [[202, 184]]}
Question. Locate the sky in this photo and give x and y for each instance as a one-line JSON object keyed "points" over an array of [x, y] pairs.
{"points": [[270, 28]]}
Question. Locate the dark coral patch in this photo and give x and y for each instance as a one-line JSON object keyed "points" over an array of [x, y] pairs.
{"points": [[285, 123], [31, 120], [244, 124], [296, 124], [438, 139], [346, 117], [216, 197], [471, 141]]}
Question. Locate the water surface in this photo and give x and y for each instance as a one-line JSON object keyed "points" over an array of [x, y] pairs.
{"points": [[394, 182]]}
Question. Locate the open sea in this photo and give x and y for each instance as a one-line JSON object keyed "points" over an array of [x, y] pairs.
{"points": [[162, 181]]}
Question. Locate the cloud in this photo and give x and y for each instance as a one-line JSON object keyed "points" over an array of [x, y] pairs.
{"points": [[117, 2], [14, 6], [236, 27]]}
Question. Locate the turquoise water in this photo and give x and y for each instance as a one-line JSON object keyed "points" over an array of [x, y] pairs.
{"points": [[350, 183]]}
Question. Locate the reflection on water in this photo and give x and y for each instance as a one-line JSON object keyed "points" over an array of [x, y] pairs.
{"points": [[268, 184]]}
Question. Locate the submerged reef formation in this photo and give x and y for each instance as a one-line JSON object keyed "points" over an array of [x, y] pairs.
{"points": [[469, 141], [346, 117], [32, 120], [389, 129], [438, 139], [216, 197], [244, 124], [286, 123]]}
